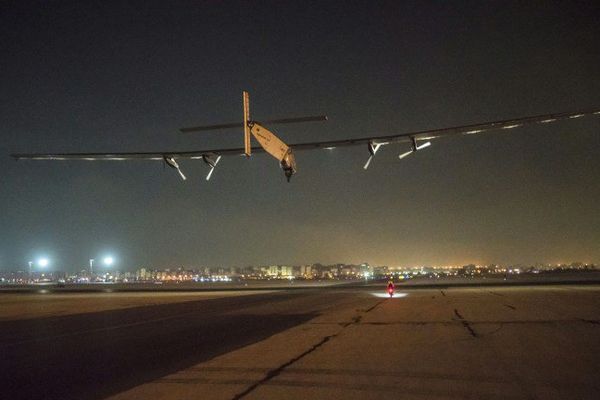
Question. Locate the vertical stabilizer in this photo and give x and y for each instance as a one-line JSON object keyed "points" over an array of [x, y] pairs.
{"points": [[246, 102]]}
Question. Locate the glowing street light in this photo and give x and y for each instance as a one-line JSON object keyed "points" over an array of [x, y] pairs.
{"points": [[43, 262], [108, 261]]}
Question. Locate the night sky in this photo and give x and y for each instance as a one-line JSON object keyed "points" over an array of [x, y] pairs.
{"points": [[124, 76]]}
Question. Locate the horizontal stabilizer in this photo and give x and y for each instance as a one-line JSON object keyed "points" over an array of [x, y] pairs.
{"points": [[314, 118]]}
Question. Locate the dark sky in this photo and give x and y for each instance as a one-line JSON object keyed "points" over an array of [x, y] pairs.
{"points": [[124, 75]]}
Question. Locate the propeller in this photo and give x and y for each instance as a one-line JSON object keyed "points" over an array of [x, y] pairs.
{"points": [[212, 163], [408, 153], [426, 144], [415, 147], [373, 147], [170, 161]]}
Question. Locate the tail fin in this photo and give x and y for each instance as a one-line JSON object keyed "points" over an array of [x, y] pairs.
{"points": [[246, 102]]}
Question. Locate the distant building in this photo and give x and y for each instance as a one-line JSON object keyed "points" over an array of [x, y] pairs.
{"points": [[306, 271], [273, 270]]}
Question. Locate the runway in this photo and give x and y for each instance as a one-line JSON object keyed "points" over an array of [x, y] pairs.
{"points": [[95, 354], [490, 342]]}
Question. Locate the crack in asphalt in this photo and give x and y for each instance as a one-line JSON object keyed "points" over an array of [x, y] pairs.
{"points": [[274, 372], [277, 371], [458, 314], [465, 323]]}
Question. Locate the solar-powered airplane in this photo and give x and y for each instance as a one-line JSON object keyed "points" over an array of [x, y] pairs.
{"points": [[283, 152]]}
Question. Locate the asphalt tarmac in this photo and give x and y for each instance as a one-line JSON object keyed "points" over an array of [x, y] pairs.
{"points": [[93, 355], [353, 342]]}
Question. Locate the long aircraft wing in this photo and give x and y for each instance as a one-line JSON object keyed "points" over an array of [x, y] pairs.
{"points": [[126, 156], [372, 140], [457, 130]]}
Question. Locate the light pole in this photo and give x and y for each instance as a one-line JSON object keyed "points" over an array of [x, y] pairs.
{"points": [[91, 267], [108, 262], [29, 275]]}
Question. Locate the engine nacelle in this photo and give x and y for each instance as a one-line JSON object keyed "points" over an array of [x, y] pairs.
{"points": [[288, 164]]}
